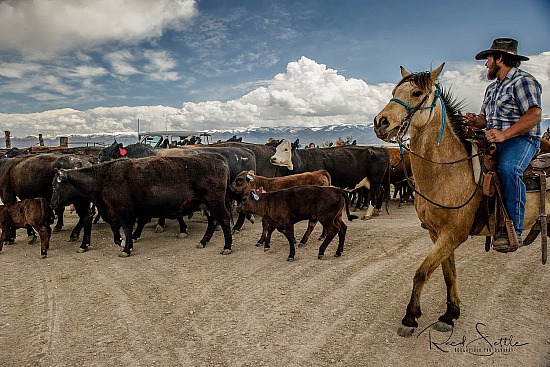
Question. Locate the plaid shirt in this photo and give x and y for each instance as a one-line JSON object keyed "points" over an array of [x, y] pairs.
{"points": [[507, 100]]}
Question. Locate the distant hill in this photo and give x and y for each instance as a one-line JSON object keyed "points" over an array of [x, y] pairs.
{"points": [[362, 133]]}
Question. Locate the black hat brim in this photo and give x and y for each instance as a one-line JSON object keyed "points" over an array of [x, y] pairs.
{"points": [[483, 55]]}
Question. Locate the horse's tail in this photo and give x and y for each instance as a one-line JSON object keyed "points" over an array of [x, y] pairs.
{"points": [[346, 197]]}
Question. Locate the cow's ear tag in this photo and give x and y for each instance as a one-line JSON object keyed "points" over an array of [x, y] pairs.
{"points": [[255, 196], [249, 177], [122, 151]]}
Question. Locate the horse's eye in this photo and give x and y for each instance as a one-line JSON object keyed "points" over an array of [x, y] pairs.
{"points": [[417, 93]]}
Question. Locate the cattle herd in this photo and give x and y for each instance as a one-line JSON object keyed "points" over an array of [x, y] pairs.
{"points": [[129, 186]]}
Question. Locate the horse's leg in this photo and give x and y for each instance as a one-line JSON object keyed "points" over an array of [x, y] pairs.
{"points": [[441, 250], [453, 303]]}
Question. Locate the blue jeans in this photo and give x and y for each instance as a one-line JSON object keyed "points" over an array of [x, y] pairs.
{"points": [[514, 157]]}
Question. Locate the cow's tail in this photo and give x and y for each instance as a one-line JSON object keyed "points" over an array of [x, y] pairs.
{"points": [[346, 197]]}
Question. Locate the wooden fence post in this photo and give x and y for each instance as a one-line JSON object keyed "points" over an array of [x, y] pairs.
{"points": [[40, 140], [8, 139], [64, 141]]}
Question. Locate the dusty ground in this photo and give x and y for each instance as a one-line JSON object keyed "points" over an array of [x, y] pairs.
{"points": [[171, 304]]}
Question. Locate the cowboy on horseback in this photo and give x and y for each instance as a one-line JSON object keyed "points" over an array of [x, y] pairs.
{"points": [[511, 112]]}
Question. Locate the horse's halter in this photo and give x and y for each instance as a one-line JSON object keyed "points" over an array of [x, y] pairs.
{"points": [[412, 110], [405, 127]]}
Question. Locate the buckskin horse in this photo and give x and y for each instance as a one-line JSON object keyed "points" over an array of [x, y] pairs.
{"points": [[448, 194]]}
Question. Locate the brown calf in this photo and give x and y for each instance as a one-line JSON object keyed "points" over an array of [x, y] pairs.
{"points": [[247, 181], [29, 212], [282, 209]]}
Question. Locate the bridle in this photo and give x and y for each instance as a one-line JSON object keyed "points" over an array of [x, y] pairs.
{"points": [[403, 129]]}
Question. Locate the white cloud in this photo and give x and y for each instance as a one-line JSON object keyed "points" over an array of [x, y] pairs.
{"points": [[306, 94], [48, 26]]}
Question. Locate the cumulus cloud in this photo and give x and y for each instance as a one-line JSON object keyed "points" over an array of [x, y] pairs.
{"points": [[307, 94], [48, 26]]}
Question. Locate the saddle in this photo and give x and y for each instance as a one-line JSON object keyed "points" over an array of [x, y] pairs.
{"points": [[492, 204]]}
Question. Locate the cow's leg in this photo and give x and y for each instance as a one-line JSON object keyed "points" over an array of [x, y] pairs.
{"points": [[342, 229], [183, 228], [141, 222], [117, 237], [3, 236], [211, 227], [45, 233], [127, 226], [310, 225], [84, 221], [239, 223], [223, 216], [263, 237], [10, 235], [59, 214], [31, 236], [332, 230], [288, 231], [161, 225], [269, 232]]}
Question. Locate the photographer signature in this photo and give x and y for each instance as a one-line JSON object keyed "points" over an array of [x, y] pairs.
{"points": [[480, 345]]}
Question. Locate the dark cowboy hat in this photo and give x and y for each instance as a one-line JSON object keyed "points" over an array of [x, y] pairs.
{"points": [[506, 45]]}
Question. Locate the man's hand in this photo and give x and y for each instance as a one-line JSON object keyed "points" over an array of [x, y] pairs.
{"points": [[495, 136]]}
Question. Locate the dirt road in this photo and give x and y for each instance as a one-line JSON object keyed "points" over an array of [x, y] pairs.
{"points": [[171, 304]]}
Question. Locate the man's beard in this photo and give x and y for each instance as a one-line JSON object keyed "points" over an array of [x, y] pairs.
{"points": [[492, 71]]}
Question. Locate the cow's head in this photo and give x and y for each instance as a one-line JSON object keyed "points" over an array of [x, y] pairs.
{"points": [[114, 151], [243, 182], [283, 155], [249, 204], [60, 181]]}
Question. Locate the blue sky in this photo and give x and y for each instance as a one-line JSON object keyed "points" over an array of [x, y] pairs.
{"points": [[180, 63]]}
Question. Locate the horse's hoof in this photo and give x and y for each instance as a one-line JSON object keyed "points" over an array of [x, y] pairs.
{"points": [[159, 229], [405, 331], [226, 251], [200, 245], [442, 327], [182, 235], [56, 229], [123, 254]]}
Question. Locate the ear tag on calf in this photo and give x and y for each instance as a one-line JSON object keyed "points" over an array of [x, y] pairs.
{"points": [[249, 177], [255, 196], [122, 151]]}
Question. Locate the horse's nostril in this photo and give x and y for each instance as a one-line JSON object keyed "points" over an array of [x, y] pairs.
{"points": [[381, 122]]}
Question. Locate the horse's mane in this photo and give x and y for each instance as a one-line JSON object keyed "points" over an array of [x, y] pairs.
{"points": [[423, 80]]}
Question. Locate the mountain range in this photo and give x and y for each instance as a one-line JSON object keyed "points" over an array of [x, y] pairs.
{"points": [[363, 134]]}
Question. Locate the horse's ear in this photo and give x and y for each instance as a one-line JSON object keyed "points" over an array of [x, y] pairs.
{"points": [[404, 72], [435, 73]]}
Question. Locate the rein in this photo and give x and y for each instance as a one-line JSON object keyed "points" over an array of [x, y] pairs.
{"points": [[405, 127]]}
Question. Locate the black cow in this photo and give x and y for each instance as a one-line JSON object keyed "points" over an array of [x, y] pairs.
{"points": [[31, 176], [349, 166], [128, 189], [262, 153], [117, 150]]}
